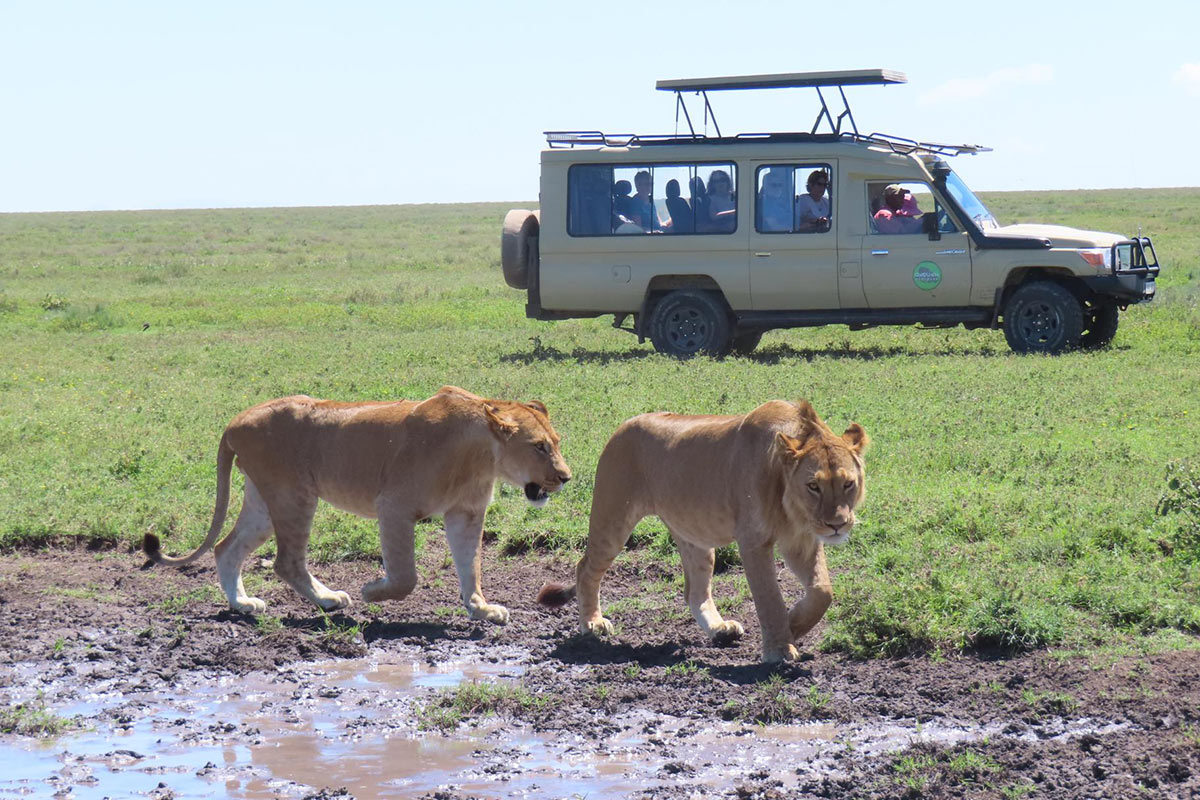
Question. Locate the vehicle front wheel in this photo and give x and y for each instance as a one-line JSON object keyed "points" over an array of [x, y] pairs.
{"points": [[1100, 326], [688, 322], [1042, 317]]}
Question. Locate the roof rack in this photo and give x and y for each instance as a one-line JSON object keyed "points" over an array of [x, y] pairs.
{"points": [[838, 79], [897, 144]]}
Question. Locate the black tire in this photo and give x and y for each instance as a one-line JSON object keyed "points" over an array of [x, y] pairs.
{"points": [[743, 344], [518, 246], [688, 322], [1099, 326], [1042, 317]]}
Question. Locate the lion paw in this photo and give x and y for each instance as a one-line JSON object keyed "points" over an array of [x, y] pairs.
{"points": [[728, 631], [495, 614], [249, 605], [598, 627], [385, 589], [335, 600], [786, 653]]}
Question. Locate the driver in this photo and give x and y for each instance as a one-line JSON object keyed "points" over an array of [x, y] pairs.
{"points": [[899, 212]]}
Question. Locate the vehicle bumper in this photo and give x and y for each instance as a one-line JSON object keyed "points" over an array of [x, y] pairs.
{"points": [[1123, 288]]}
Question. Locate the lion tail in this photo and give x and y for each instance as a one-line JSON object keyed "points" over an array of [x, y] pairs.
{"points": [[555, 595], [151, 544]]}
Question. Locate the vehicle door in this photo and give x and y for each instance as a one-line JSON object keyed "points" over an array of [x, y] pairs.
{"points": [[793, 241], [902, 265]]}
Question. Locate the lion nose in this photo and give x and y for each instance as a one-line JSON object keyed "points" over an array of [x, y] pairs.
{"points": [[564, 477]]}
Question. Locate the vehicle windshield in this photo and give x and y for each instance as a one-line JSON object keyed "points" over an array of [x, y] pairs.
{"points": [[974, 208]]}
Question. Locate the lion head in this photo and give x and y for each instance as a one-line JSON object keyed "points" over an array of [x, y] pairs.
{"points": [[529, 454], [823, 476]]}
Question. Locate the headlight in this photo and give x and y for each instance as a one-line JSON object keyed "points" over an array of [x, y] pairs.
{"points": [[1098, 257]]}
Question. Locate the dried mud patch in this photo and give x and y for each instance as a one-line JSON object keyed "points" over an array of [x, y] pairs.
{"points": [[658, 711]]}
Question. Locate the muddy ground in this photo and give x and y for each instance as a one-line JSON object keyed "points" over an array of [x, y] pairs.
{"points": [[95, 637]]}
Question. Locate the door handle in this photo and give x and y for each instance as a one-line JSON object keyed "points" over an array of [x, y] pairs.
{"points": [[762, 255], [879, 252], [955, 252]]}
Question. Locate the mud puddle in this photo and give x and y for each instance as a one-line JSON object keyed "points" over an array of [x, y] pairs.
{"points": [[177, 697], [355, 726]]}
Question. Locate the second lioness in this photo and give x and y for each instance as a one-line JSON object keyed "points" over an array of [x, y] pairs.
{"points": [[776, 477], [395, 461]]}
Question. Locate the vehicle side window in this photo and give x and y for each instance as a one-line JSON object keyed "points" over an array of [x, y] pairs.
{"points": [[902, 207], [794, 198], [607, 200]]}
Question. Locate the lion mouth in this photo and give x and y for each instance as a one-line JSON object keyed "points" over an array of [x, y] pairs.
{"points": [[536, 494], [834, 536]]}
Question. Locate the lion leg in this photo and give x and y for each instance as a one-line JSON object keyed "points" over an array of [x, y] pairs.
{"points": [[808, 564], [759, 563], [292, 528], [607, 534], [253, 527], [697, 590], [397, 541], [464, 532]]}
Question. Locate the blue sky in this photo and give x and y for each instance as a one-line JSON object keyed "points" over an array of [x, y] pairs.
{"points": [[131, 105]]}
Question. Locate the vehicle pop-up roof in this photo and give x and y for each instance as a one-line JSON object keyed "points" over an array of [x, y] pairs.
{"points": [[838, 79]]}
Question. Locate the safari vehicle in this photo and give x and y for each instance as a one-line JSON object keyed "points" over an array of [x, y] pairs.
{"points": [[704, 242]]}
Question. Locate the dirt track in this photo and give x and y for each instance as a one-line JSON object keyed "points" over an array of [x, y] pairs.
{"points": [[658, 712]]}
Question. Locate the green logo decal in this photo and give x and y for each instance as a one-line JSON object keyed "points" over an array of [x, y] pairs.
{"points": [[927, 275]]}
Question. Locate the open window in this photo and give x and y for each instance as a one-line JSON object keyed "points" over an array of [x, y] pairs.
{"points": [[793, 198], [905, 207], [636, 199]]}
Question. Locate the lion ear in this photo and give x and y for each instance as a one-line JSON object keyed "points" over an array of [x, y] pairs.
{"points": [[809, 421], [807, 412], [857, 438], [787, 445], [501, 427], [538, 405]]}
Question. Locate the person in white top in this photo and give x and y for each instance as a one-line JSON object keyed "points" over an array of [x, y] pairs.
{"points": [[722, 207], [813, 209]]}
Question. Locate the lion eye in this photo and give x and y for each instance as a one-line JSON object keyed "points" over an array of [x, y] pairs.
{"points": [[814, 487], [541, 447], [849, 485]]}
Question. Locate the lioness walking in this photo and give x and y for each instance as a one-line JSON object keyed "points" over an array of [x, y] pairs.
{"points": [[776, 477], [397, 462]]}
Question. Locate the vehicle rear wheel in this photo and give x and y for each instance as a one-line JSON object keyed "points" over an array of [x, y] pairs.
{"points": [[1099, 326], [688, 322], [518, 246], [1042, 317], [744, 343]]}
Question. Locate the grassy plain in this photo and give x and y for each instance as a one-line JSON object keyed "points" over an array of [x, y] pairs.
{"points": [[1012, 501]]}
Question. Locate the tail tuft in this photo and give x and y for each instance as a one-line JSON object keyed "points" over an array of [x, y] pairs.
{"points": [[151, 546], [555, 595]]}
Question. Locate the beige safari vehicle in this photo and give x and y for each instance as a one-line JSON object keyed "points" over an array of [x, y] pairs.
{"points": [[702, 242]]}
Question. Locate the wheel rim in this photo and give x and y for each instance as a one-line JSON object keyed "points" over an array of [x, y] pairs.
{"points": [[688, 329], [1039, 323]]}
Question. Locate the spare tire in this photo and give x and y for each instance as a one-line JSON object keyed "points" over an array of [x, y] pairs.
{"points": [[519, 246]]}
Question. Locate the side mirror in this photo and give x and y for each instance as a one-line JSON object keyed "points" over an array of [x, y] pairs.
{"points": [[929, 225]]}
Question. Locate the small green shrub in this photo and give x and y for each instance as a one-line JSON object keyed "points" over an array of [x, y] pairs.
{"points": [[1182, 497], [83, 319], [54, 302]]}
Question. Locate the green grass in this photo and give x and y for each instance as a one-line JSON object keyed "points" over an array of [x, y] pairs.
{"points": [[475, 700], [771, 703], [32, 719], [1013, 502], [921, 770]]}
